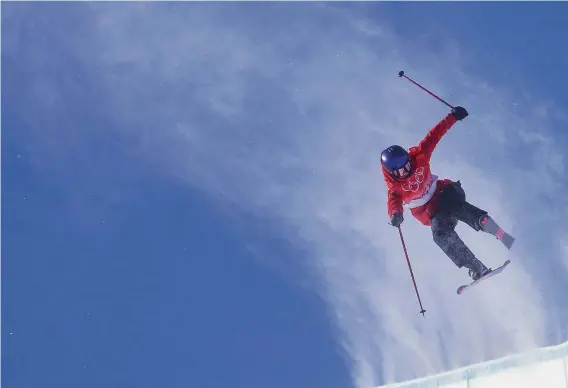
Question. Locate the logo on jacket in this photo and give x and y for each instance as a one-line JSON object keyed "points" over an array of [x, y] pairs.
{"points": [[414, 181]]}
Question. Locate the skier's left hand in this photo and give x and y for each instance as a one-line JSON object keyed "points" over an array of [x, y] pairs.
{"points": [[396, 219], [459, 113]]}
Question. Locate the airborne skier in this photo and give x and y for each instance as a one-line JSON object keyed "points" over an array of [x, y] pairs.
{"points": [[438, 203]]}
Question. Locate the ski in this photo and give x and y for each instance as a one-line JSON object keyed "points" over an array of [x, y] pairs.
{"points": [[487, 276], [491, 227], [505, 238]]}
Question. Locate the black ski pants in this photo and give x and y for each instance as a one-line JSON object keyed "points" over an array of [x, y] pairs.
{"points": [[453, 207]]}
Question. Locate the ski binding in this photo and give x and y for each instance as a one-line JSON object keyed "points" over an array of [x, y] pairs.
{"points": [[490, 274]]}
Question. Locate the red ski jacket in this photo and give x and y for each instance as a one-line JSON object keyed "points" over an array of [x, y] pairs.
{"points": [[420, 189]]}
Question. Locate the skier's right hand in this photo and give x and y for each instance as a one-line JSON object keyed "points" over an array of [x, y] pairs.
{"points": [[396, 219], [459, 113]]}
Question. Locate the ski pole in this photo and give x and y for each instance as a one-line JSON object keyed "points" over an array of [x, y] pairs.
{"points": [[401, 74], [422, 311]]}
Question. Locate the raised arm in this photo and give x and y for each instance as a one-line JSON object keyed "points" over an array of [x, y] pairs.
{"points": [[434, 135]]}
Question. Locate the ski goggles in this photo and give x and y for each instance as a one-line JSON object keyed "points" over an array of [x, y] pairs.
{"points": [[402, 171]]}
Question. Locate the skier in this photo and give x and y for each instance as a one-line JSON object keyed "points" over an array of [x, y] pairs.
{"points": [[438, 203]]}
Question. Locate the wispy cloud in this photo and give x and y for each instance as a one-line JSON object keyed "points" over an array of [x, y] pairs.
{"points": [[284, 109]]}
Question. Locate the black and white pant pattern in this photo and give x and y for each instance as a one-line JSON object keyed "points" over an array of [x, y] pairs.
{"points": [[453, 207]]}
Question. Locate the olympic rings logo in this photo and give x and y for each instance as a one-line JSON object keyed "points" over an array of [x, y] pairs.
{"points": [[414, 181]]}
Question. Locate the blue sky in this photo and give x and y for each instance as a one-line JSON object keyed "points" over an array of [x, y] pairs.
{"points": [[192, 194]]}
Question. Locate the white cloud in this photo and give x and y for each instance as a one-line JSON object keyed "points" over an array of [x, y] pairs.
{"points": [[288, 119]]}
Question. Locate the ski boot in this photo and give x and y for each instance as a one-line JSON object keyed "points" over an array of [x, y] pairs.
{"points": [[477, 269]]}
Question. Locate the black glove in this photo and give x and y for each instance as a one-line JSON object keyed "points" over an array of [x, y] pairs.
{"points": [[396, 219], [459, 113]]}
